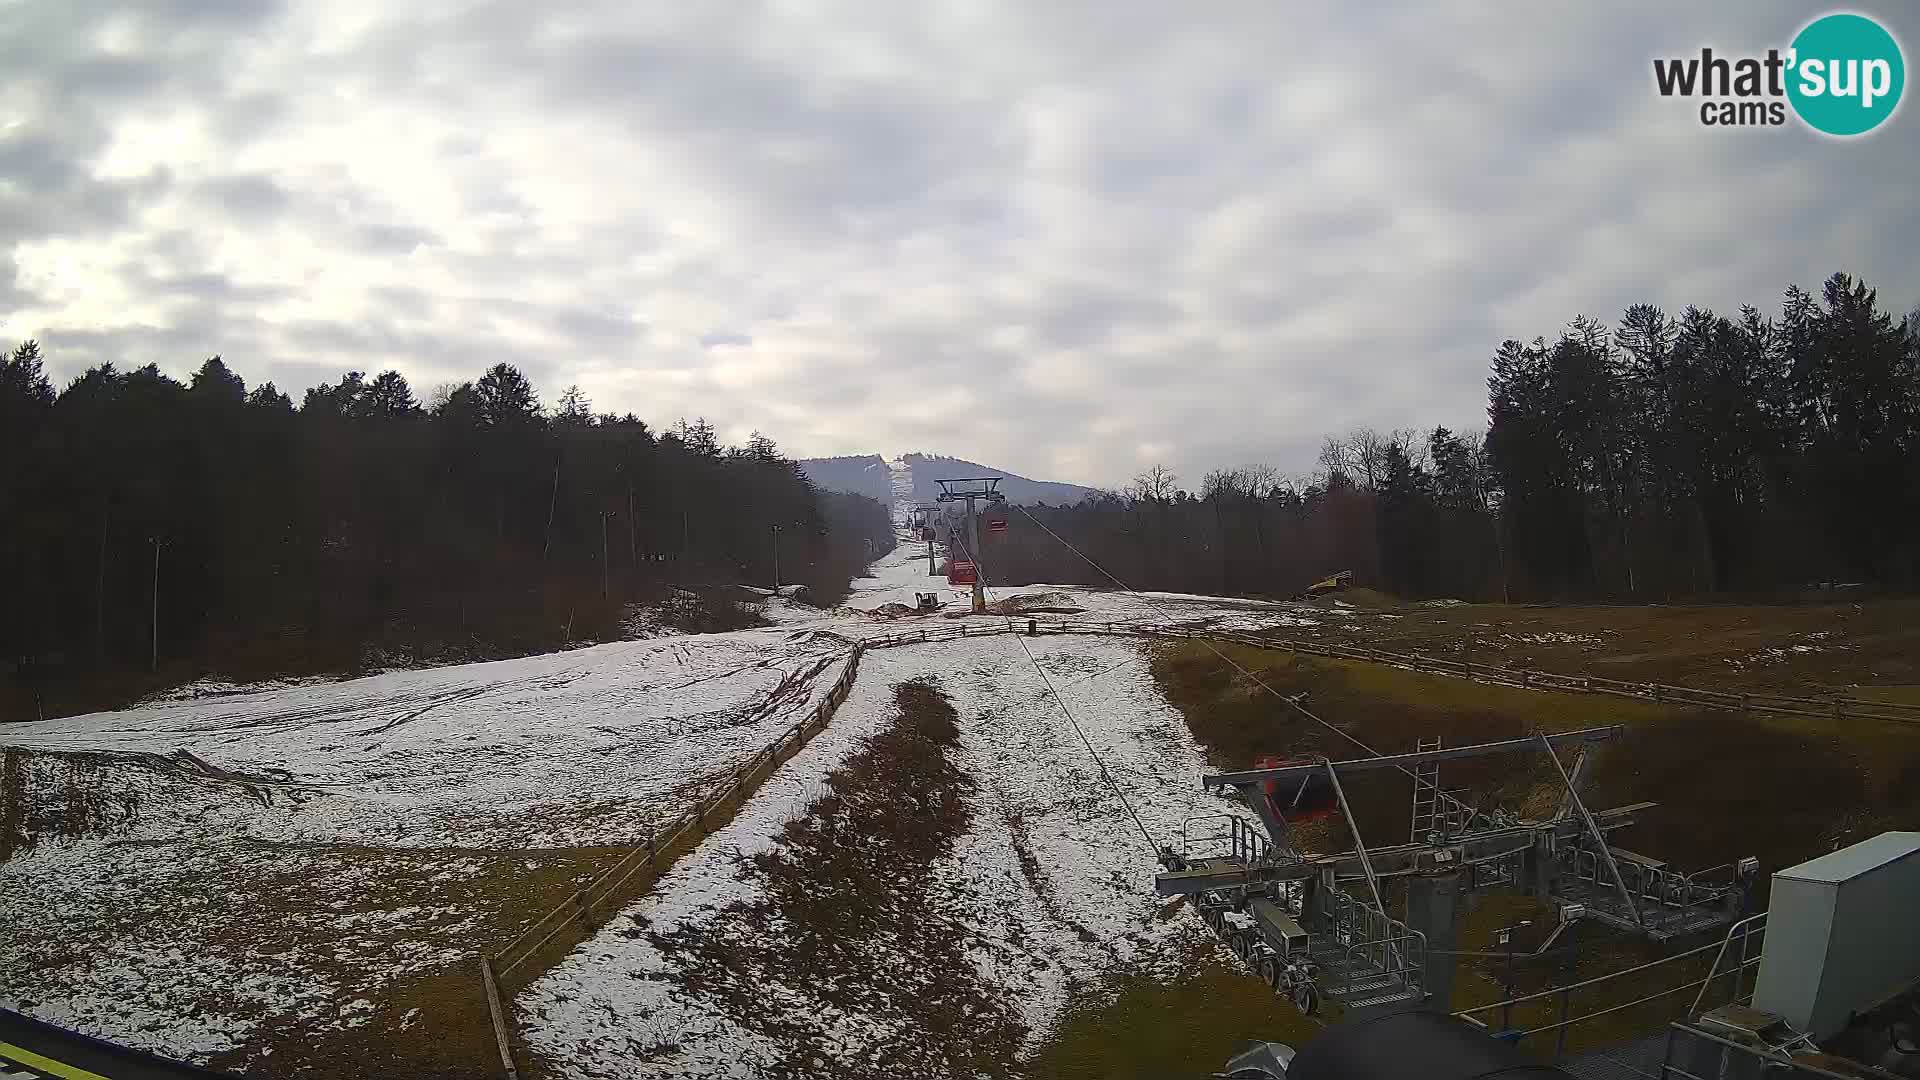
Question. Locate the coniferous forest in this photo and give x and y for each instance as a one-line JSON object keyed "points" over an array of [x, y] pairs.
{"points": [[155, 531], [365, 527], [1688, 456]]}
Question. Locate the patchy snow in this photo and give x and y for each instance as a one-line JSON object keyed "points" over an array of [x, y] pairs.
{"points": [[1556, 637], [1052, 880], [903, 572], [235, 861], [502, 754], [1779, 654], [302, 849], [206, 688], [640, 622]]}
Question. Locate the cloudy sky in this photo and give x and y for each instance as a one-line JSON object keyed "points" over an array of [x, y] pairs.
{"points": [[1064, 238]]}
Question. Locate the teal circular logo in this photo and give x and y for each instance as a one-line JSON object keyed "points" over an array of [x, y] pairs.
{"points": [[1846, 75]]}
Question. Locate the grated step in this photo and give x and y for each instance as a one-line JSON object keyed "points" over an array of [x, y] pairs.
{"points": [[1383, 999]]}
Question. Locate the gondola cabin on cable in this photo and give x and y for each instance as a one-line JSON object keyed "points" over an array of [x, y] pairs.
{"points": [[960, 572], [926, 533], [1300, 797], [995, 520]]}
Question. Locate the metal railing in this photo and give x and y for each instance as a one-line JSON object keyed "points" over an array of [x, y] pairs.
{"points": [[1714, 1057], [1669, 888], [1391, 948], [1239, 839], [1604, 985], [1745, 929]]}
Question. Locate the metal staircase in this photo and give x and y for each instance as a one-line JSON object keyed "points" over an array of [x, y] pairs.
{"points": [[1366, 959]]}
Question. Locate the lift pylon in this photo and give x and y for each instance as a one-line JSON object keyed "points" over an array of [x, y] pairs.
{"points": [[972, 490]]}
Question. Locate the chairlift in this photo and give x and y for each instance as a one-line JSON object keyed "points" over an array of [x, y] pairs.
{"points": [[1301, 797], [960, 572]]}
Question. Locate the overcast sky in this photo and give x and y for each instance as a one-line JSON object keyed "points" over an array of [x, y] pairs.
{"points": [[1067, 239]]}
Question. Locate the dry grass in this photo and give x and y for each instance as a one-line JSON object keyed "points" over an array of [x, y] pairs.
{"points": [[839, 908], [432, 1025], [1733, 646], [1153, 1029]]}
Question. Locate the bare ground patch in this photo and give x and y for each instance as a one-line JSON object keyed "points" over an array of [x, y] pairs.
{"points": [[837, 911]]}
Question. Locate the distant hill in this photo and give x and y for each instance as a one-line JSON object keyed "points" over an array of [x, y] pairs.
{"points": [[862, 474], [930, 467], [868, 474]]}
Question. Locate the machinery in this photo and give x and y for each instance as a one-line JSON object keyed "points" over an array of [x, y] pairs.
{"points": [[1315, 926]]}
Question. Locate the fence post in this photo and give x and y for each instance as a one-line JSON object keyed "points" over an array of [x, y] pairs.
{"points": [[499, 1017], [1560, 1036]]}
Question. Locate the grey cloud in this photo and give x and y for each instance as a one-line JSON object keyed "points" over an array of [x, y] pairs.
{"points": [[245, 196], [393, 239], [1038, 233]]}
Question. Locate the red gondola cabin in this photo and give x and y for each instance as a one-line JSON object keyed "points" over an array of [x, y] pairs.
{"points": [[962, 573], [1301, 797]]}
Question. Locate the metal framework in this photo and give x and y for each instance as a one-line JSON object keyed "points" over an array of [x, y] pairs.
{"points": [[1320, 926], [972, 490]]}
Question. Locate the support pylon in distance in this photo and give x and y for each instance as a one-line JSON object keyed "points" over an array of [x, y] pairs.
{"points": [[971, 490]]}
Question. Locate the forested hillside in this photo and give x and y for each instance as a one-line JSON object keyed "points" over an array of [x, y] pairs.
{"points": [[1692, 456], [861, 474], [928, 468], [364, 525]]}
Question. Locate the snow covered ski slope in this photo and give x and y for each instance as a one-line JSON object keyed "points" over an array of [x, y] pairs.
{"points": [[208, 878], [1047, 887], [241, 879]]}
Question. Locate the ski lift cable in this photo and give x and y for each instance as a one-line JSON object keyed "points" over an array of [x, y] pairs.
{"points": [[1302, 709], [1152, 845]]}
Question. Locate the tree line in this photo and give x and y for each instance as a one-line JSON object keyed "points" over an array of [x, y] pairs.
{"points": [[1668, 457], [156, 530]]}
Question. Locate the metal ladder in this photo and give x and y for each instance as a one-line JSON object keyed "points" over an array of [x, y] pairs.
{"points": [[1426, 793]]}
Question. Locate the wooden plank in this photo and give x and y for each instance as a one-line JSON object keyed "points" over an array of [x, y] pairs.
{"points": [[499, 1016]]}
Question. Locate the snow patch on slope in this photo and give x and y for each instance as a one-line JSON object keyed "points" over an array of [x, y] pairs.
{"points": [[1052, 880]]}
